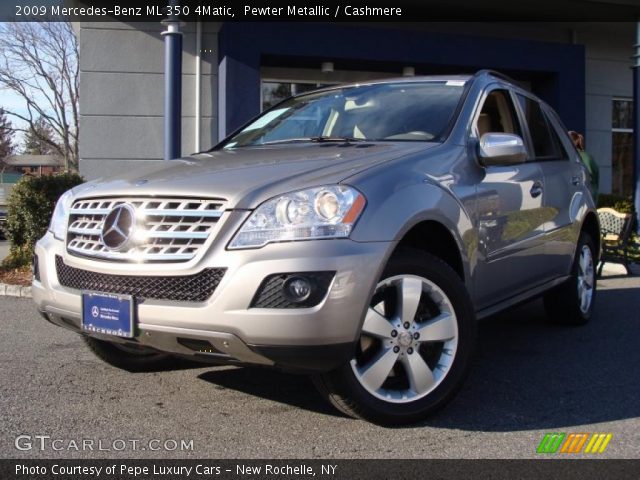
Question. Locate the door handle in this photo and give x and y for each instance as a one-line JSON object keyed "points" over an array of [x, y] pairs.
{"points": [[536, 189], [576, 180]]}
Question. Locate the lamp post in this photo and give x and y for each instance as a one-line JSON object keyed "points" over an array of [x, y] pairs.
{"points": [[172, 87]]}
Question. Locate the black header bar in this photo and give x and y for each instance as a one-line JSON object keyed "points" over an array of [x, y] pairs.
{"points": [[322, 10]]}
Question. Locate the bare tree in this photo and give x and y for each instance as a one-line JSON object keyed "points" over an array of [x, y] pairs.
{"points": [[39, 63]]}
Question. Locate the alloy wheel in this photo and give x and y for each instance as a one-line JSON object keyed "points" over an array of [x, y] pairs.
{"points": [[586, 277], [408, 341]]}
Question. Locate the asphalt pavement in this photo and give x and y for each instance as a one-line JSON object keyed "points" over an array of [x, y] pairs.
{"points": [[529, 378]]}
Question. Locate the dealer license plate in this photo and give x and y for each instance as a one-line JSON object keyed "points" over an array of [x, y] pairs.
{"points": [[108, 314]]}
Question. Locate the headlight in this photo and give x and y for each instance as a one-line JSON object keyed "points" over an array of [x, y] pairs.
{"points": [[322, 212], [58, 223]]}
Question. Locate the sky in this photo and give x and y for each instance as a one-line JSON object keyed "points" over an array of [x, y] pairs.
{"points": [[11, 101]]}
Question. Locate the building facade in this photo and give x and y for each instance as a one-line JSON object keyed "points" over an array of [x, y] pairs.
{"points": [[232, 71]]}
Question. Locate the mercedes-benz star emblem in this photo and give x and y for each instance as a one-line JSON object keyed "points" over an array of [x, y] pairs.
{"points": [[118, 228]]}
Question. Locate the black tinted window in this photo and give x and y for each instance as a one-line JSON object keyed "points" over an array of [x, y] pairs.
{"points": [[557, 129], [545, 143]]}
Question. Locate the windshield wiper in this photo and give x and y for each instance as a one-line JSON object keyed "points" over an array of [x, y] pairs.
{"points": [[318, 139], [326, 138], [284, 140]]}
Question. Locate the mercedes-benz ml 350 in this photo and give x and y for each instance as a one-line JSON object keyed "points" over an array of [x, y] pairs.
{"points": [[355, 233]]}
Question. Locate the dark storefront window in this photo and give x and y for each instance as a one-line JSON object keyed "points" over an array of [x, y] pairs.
{"points": [[622, 147], [274, 92]]}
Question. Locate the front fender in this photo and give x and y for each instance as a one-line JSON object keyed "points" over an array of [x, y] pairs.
{"points": [[392, 212]]}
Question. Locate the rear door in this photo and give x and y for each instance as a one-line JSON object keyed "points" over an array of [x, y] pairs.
{"points": [[564, 182], [510, 212]]}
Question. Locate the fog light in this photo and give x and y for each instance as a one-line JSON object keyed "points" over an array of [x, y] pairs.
{"points": [[297, 289], [292, 290]]}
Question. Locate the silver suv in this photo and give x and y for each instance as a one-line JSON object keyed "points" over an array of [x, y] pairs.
{"points": [[355, 233]]}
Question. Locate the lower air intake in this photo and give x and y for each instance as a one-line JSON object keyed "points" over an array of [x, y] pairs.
{"points": [[186, 288]]}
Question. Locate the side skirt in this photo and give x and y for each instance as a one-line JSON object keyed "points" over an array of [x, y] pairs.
{"points": [[521, 298]]}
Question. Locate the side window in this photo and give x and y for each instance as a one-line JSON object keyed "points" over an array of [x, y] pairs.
{"points": [[498, 115], [546, 145], [558, 132]]}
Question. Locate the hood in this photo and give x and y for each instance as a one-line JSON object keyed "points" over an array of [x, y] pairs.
{"points": [[246, 177]]}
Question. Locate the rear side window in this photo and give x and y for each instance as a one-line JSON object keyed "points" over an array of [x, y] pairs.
{"points": [[559, 132], [546, 145]]}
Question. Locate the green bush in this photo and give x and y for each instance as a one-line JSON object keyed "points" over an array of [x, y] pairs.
{"points": [[618, 203], [17, 258], [29, 209]]}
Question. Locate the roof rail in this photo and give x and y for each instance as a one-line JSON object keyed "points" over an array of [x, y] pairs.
{"points": [[494, 73]]}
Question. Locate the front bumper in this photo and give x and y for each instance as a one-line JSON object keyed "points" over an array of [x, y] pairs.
{"points": [[316, 338]]}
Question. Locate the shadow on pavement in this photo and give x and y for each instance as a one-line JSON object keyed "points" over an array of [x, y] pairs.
{"points": [[295, 390], [528, 374]]}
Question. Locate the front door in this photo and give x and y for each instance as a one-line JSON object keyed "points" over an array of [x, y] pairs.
{"points": [[510, 213]]}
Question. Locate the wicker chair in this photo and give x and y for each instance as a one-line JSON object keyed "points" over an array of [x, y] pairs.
{"points": [[616, 229]]}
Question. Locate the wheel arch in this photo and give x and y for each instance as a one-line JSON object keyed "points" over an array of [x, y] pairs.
{"points": [[591, 225], [434, 237]]}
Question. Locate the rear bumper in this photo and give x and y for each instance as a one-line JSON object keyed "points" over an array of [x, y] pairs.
{"points": [[225, 327]]}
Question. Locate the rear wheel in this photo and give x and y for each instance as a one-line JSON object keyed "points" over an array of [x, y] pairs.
{"points": [[415, 346], [572, 303], [132, 358]]}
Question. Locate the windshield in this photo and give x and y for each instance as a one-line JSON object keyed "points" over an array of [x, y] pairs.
{"points": [[405, 111]]}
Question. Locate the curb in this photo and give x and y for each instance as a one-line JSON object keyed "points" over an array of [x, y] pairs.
{"points": [[617, 269], [7, 290]]}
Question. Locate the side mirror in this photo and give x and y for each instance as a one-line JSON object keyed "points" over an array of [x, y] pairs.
{"points": [[501, 149]]}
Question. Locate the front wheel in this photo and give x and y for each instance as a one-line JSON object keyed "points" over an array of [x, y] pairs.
{"points": [[415, 346]]}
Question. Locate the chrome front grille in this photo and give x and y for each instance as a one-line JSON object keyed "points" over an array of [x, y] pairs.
{"points": [[167, 229]]}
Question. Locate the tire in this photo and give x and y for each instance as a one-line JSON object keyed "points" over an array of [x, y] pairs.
{"points": [[564, 305], [446, 338], [131, 358]]}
